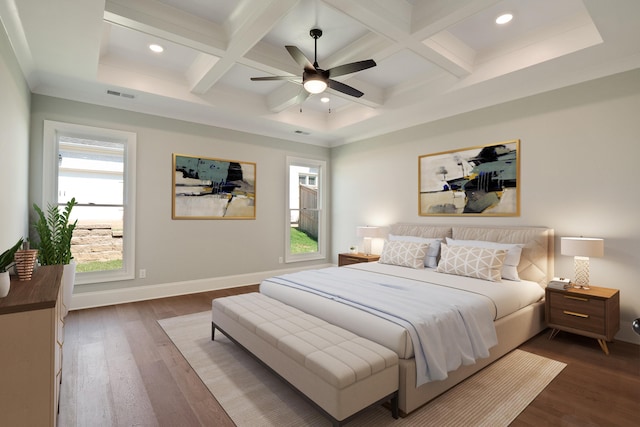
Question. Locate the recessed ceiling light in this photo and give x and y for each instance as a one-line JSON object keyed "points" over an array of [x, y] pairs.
{"points": [[156, 48], [324, 99], [504, 18]]}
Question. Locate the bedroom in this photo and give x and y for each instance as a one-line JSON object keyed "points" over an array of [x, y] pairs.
{"points": [[579, 148]]}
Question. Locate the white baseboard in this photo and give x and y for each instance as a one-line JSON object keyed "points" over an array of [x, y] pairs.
{"points": [[141, 293]]}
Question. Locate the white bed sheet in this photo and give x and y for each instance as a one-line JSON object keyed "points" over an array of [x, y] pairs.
{"points": [[509, 297]]}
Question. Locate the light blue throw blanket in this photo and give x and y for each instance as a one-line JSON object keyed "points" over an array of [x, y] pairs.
{"points": [[448, 327]]}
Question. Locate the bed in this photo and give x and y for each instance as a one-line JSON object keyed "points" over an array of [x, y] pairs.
{"points": [[514, 320]]}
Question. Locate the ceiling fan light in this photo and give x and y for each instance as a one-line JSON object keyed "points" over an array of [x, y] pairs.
{"points": [[315, 85]]}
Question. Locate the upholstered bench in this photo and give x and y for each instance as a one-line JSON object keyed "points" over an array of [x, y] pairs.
{"points": [[339, 372]]}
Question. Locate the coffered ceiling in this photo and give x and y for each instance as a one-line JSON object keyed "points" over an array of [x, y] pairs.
{"points": [[435, 58]]}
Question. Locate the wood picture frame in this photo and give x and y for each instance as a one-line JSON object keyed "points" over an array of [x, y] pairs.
{"points": [[476, 181], [210, 188]]}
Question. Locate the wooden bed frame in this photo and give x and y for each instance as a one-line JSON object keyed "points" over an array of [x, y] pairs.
{"points": [[536, 265]]}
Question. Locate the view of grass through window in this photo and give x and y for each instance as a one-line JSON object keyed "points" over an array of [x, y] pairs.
{"points": [[301, 242], [99, 266]]}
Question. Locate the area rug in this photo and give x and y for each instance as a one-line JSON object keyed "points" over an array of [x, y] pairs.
{"points": [[253, 396]]}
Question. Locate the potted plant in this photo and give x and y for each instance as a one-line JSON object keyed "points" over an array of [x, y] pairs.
{"points": [[6, 261], [55, 231]]}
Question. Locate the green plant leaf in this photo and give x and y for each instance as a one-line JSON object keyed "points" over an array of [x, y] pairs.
{"points": [[6, 259], [55, 233]]}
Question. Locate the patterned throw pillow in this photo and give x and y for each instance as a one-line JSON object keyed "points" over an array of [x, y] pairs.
{"points": [[405, 254], [511, 260], [481, 263], [431, 259]]}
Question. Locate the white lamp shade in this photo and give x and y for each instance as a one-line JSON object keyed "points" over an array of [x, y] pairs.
{"points": [[367, 231], [582, 246]]}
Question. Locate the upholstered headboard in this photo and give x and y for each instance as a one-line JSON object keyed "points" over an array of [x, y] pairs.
{"points": [[536, 261]]}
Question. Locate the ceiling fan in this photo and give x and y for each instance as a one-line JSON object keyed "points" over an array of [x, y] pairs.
{"points": [[315, 79]]}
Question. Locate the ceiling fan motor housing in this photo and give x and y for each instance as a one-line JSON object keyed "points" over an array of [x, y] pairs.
{"points": [[316, 33]]}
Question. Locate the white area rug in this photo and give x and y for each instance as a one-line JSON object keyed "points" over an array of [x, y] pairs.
{"points": [[253, 396]]}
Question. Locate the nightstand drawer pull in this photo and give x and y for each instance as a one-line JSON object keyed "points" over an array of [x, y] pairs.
{"points": [[576, 298], [573, 313]]}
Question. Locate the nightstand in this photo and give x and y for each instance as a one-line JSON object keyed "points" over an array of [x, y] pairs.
{"points": [[346, 259], [591, 312]]}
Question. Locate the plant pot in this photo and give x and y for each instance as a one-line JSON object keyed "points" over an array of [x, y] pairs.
{"points": [[25, 263], [5, 284], [68, 282]]}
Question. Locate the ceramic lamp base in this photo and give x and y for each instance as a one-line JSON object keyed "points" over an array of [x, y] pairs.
{"points": [[581, 265]]}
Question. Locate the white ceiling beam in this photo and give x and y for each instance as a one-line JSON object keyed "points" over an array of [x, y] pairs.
{"points": [[247, 26]]}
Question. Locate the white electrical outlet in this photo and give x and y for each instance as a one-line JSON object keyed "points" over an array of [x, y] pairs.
{"points": [[280, 260], [143, 273]]}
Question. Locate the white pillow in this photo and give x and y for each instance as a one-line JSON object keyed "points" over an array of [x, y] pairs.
{"points": [[405, 254], [431, 259], [472, 261], [511, 261]]}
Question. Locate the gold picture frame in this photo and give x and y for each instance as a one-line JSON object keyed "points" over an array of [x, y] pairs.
{"points": [[210, 188], [476, 181]]}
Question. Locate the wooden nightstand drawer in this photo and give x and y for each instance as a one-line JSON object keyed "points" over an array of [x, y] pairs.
{"points": [[578, 303], [578, 319]]}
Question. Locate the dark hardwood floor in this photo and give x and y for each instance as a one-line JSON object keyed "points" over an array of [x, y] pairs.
{"points": [[120, 369]]}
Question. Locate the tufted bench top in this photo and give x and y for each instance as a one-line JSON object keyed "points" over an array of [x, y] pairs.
{"points": [[336, 355]]}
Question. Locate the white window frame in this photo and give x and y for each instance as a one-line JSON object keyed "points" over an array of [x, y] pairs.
{"points": [[322, 217], [51, 130]]}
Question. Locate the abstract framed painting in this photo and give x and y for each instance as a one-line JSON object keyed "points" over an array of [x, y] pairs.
{"points": [[209, 188], [477, 181]]}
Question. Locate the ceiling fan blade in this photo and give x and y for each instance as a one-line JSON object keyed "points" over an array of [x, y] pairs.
{"points": [[299, 57], [346, 89], [341, 70], [266, 78]]}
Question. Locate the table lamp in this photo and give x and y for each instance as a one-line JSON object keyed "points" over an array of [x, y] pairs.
{"points": [[581, 248], [367, 233]]}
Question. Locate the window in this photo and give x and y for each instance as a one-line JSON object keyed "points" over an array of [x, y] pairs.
{"points": [[96, 167], [305, 218]]}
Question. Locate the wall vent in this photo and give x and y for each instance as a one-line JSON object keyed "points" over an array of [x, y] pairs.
{"points": [[123, 95]]}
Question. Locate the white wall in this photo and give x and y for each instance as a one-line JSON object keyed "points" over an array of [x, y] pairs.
{"points": [[580, 150], [178, 251], [14, 147]]}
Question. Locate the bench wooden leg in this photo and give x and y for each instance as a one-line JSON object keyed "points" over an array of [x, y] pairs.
{"points": [[394, 405], [213, 331]]}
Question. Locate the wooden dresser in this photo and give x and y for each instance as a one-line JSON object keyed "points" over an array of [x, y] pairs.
{"points": [[31, 339]]}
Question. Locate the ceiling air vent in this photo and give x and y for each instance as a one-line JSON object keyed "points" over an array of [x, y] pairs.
{"points": [[123, 95]]}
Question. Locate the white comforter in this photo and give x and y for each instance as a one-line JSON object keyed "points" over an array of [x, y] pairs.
{"points": [[450, 324]]}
